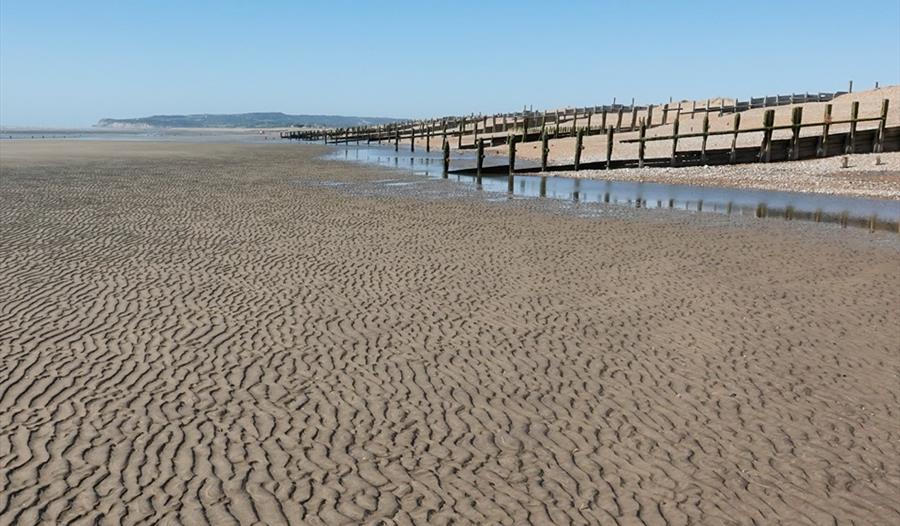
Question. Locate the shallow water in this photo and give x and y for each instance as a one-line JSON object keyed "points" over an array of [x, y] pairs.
{"points": [[852, 211]]}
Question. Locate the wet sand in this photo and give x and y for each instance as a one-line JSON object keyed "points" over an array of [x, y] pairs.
{"points": [[239, 334]]}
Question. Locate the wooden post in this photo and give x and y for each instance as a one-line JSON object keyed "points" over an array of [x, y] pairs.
{"points": [[674, 161], [589, 116], [650, 116], [619, 119], [412, 139], [765, 148], [475, 139], [693, 108], [850, 89], [397, 140], [545, 151], [705, 137], [575, 123], [556, 131], [462, 129], [512, 163], [428, 139], [826, 125], [633, 117], [732, 158], [480, 161], [578, 141], [524, 128], [665, 118], [641, 143], [796, 119], [543, 187], [446, 152], [878, 146], [851, 139], [610, 132]]}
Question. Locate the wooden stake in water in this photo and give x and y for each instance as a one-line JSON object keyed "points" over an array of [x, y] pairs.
{"points": [[512, 163], [446, 152], [397, 140], [480, 161]]}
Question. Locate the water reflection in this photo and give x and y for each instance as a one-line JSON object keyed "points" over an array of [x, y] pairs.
{"points": [[878, 214]]}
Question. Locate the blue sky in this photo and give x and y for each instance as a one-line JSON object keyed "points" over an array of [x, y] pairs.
{"points": [[72, 63]]}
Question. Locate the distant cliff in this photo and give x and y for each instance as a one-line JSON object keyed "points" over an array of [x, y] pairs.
{"points": [[242, 120]]}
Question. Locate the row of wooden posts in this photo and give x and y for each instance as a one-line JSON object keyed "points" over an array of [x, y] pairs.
{"points": [[767, 129], [503, 123]]}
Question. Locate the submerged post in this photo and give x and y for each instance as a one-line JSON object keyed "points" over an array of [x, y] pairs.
{"points": [[446, 152], [480, 161], [512, 163]]}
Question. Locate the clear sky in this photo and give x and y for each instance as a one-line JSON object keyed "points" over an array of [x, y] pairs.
{"points": [[70, 63]]}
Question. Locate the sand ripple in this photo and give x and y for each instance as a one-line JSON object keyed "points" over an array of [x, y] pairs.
{"points": [[189, 336]]}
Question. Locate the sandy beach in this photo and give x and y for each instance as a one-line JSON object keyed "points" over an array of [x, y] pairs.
{"points": [[249, 334]]}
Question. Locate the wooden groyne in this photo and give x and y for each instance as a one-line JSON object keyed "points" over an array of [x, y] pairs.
{"points": [[496, 128]]}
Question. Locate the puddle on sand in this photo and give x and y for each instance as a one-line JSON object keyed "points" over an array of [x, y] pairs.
{"points": [[881, 214]]}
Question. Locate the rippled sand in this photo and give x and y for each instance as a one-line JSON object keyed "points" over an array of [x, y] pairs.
{"points": [[220, 334]]}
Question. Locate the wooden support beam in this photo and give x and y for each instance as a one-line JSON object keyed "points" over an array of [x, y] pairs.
{"points": [[705, 137], [642, 144], [674, 161], [619, 119], [878, 146], [765, 148], [512, 164], [479, 157], [665, 117], [545, 150], [732, 158], [445, 150], [851, 138], [633, 117], [822, 150], [796, 119], [579, 136], [610, 133]]}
